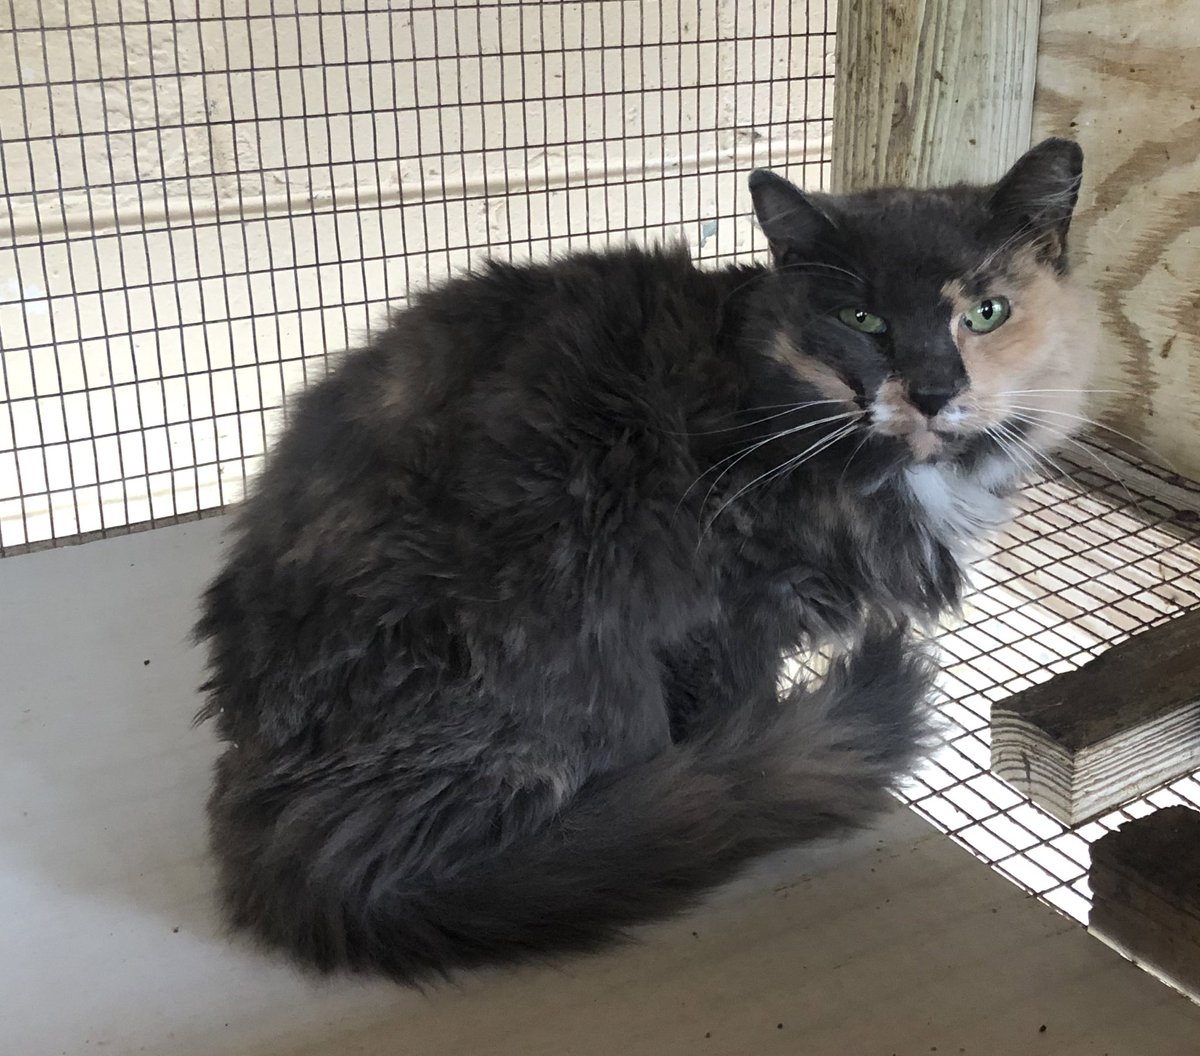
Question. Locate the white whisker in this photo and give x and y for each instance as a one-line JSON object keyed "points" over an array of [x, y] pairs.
{"points": [[775, 436], [1099, 425], [1083, 448], [789, 409], [790, 464], [799, 460], [1041, 458], [804, 265], [1033, 392], [741, 453], [861, 444], [1006, 444], [799, 267]]}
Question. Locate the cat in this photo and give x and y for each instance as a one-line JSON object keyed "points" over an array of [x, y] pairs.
{"points": [[496, 651]]}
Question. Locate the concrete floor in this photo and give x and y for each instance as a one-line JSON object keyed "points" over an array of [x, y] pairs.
{"points": [[895, 943]]}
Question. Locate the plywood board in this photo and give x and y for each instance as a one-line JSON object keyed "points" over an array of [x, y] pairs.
{"points": [[1124, 79]]}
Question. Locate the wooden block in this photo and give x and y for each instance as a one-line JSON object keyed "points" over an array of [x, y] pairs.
{"points": [[1089, 740], [1145, 880]]}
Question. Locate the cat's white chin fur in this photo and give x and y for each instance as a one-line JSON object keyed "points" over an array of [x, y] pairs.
{"points": [[961, 509]]}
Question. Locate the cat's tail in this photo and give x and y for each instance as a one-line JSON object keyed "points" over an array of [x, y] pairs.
{"points": [[638, 845]]}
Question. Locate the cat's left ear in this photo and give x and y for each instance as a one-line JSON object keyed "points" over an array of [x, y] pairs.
{"points": [[1034, 201], [795, 227]]}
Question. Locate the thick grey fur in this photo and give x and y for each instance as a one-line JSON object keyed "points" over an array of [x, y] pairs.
{"points": [[496, 648]]}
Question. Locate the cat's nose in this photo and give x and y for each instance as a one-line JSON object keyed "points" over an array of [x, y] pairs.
{"points": [[929, 399]]}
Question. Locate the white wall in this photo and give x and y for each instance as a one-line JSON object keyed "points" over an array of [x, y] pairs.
{"points": [[200, 208]]}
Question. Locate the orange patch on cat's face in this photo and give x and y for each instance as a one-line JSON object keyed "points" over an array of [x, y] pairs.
{"points": [[1037, 364], [1039, 360], [819, 375]]}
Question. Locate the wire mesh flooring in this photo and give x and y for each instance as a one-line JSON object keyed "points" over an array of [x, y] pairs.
{"points": [[1098, 552]]}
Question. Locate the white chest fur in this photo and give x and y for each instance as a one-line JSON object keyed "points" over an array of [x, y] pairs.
{"points": [[960, 509]]}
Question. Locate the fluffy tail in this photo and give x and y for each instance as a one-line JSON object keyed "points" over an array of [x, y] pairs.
{"points": [[639, 845]]}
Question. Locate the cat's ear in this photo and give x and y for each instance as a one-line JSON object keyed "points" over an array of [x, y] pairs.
{"points": [[1033, 203], [794, 225]]}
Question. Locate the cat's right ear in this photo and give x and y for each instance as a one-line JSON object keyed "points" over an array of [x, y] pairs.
{"points": [[1034, 200], [795, 227]]}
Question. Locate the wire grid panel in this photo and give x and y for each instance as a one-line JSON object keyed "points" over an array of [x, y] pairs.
{"points": [[205, 198], [1101, 552]]}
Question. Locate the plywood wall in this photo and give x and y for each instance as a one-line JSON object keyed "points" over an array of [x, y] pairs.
{"points": [[1124, 79]]}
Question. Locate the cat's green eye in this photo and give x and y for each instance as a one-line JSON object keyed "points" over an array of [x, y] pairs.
{"points": [[861, 320], [987, 315]]}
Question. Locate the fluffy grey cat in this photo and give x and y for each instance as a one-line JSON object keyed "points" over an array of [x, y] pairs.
{"points": [[496, 652]]}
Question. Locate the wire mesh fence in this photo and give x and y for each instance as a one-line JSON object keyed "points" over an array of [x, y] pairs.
{"points": [[1101, 552], [1102, 548], [206, 198]]}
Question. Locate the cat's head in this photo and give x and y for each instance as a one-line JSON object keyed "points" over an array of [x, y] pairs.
{"points": [[947, 316]]}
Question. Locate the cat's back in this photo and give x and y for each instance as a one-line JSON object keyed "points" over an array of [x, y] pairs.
{"points": [[632, 308], [570, 354]]}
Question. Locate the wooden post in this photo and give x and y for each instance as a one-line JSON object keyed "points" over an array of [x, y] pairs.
{"points": [[931, 91]]}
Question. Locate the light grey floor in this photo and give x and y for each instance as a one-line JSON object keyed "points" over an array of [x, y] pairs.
{"points": [[898, 942]]}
